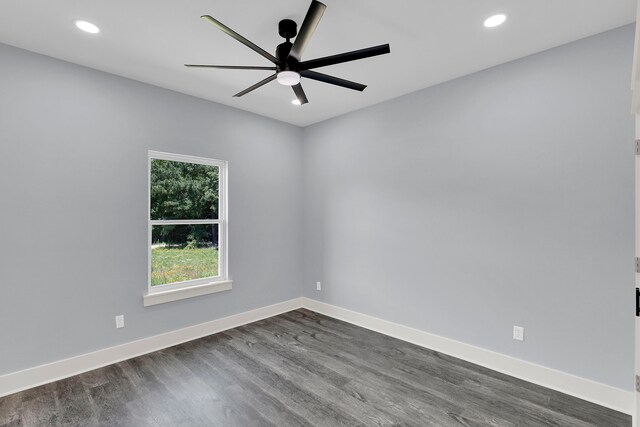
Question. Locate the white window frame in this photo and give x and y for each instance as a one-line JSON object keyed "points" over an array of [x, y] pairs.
{"points": [[159, 294]]}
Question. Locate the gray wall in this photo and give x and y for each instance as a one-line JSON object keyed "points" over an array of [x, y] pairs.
{"points": [[73, 180], [502, 198]]}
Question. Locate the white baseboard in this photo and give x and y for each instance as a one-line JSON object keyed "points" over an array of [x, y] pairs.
{"points": [[601, 394], [32, 377]]}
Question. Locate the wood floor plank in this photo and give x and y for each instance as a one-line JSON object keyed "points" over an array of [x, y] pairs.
{"points": [[421, 401], [73, 402], [369, 385], [10, 409], [324, 412], [293, 413], [299, 369], [493, 383], [327, 384]]}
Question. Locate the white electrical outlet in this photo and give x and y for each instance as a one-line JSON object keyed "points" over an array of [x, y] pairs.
{"points": [[518, 333], [120, 321], [318, 286]]}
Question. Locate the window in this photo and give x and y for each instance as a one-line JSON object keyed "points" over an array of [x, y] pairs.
{"points": [[187, 227]]}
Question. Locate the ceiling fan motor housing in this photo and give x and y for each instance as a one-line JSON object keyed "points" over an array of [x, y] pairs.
{"points": [[282, 53], [287, 29]]}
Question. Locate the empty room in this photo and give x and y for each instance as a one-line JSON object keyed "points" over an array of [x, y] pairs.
{"points": [[319, 213]]}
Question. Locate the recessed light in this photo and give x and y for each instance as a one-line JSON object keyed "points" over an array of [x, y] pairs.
{"points": [[87, 26], [296, 102], [495, 20]]}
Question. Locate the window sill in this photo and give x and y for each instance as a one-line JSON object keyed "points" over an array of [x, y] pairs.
{"points": [[153, 298]]}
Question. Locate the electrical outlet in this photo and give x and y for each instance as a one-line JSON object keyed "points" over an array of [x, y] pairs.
{"points": [[120, 321], [318, 286], [518, 333]]}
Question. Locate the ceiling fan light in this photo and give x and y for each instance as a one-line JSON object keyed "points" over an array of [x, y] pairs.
{"points": [[296, 102], [288, 78]]}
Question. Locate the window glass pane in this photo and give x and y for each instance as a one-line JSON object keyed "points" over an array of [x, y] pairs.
{"points": [[183, 252], [182, 190]]}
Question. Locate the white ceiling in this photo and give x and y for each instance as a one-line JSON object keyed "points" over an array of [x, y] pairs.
{"points": [[431, 41]]}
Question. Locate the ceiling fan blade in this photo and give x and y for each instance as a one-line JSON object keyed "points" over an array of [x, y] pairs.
{"points": [[297, 89], [256, 86], [345, 57], [332, 80], [311, 20], [230, 67], [241, 39]]}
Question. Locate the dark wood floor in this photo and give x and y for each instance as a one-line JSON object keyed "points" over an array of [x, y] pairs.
{"points": [[298, 369]]}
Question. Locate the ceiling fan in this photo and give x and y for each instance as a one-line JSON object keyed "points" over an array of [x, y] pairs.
{"points": [[288, 64]]}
